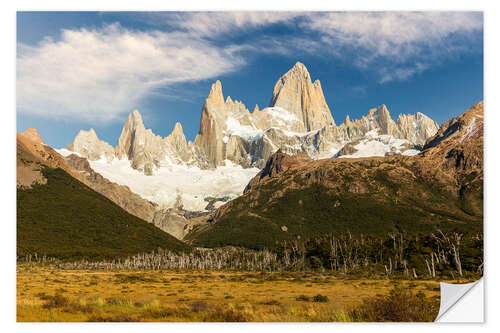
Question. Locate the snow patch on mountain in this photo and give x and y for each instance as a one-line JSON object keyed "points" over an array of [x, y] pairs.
{"points": [[281, 115], [469, 130], [374, 144], [234, 127], [170, 183], [411, 152], [66, 152]]}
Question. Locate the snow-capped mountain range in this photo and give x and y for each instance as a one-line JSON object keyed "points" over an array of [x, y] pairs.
{"points": [[233, 144]]}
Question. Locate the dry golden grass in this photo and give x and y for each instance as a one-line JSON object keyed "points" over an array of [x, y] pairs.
{"points": [[45, 294]]}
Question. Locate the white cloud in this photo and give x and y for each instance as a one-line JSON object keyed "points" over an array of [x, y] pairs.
{"points": [[99, 74], [214, 24], [395, 44]]}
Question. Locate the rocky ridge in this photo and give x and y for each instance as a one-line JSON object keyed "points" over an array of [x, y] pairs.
{"points": [[88, 145], [295, 196], [33, 154], [298, 119]]}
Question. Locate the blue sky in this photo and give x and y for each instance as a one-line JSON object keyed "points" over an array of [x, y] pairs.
{"points": [[79, 70]]}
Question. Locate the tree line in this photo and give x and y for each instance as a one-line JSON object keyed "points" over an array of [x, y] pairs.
{"points": [[394, 255]]}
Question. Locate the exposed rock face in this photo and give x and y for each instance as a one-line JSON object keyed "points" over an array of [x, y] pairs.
{"points": [[147, 151], [378, 125], [457, 149], [440, 188], [140, 146], [171, 220], [218, 120], [27, 168], [32, 153], [417, 128], [176, 145], [298, 119], [32, 135], [277, 163], [454, 152], [88, 145], [296, 93]]}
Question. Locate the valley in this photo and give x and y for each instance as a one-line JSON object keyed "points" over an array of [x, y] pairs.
{"points": [[180, 177], [274, 215]]}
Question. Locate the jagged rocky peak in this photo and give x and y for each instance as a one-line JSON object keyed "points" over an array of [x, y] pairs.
{"points": [[417, 128], [177, 137], [295, 93], [376, 134], [177, 131], [88, 145], [32, 135], [297, 120], [457, 131], [347, 121], [177, 147], [219, 120], [215, 97], [142, 147], [387, 125], [132, 125]]}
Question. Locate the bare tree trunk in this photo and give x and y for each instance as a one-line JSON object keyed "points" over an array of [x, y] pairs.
{"points": [[433, 269]]}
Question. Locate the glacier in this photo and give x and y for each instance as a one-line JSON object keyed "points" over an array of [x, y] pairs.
{"points": [[174, 183]]}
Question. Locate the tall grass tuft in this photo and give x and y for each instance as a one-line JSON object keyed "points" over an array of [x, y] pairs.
{"points": [[401, 305]]}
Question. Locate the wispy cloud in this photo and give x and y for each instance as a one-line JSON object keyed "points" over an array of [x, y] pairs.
{"points": [[101, 73], [97, 74], [397, 45], [216, 24]]}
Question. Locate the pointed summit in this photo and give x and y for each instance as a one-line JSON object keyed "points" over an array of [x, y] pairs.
{"points": [[215, 97], [177, 135], [300, 69], [177, 141], [136, 115], [417, 128], [178, 128], [132, 130], [382, 113], [32, 134], [347, 121], [296, 93], [88, 145], [385, 121], [135, 118]]}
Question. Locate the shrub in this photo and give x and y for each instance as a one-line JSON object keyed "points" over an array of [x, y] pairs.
{"points": [[401, 305], [57, 301], [320, 298]]}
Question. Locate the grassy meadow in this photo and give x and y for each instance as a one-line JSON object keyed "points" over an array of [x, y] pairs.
{"points": [[45, 293]]}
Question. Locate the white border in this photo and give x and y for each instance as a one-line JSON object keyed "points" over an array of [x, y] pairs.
{"points": [[7, 132]]}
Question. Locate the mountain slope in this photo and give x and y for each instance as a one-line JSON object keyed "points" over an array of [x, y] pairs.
{"points": [[59, 216], [233, 144], [32, 152], [299, 197]]}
